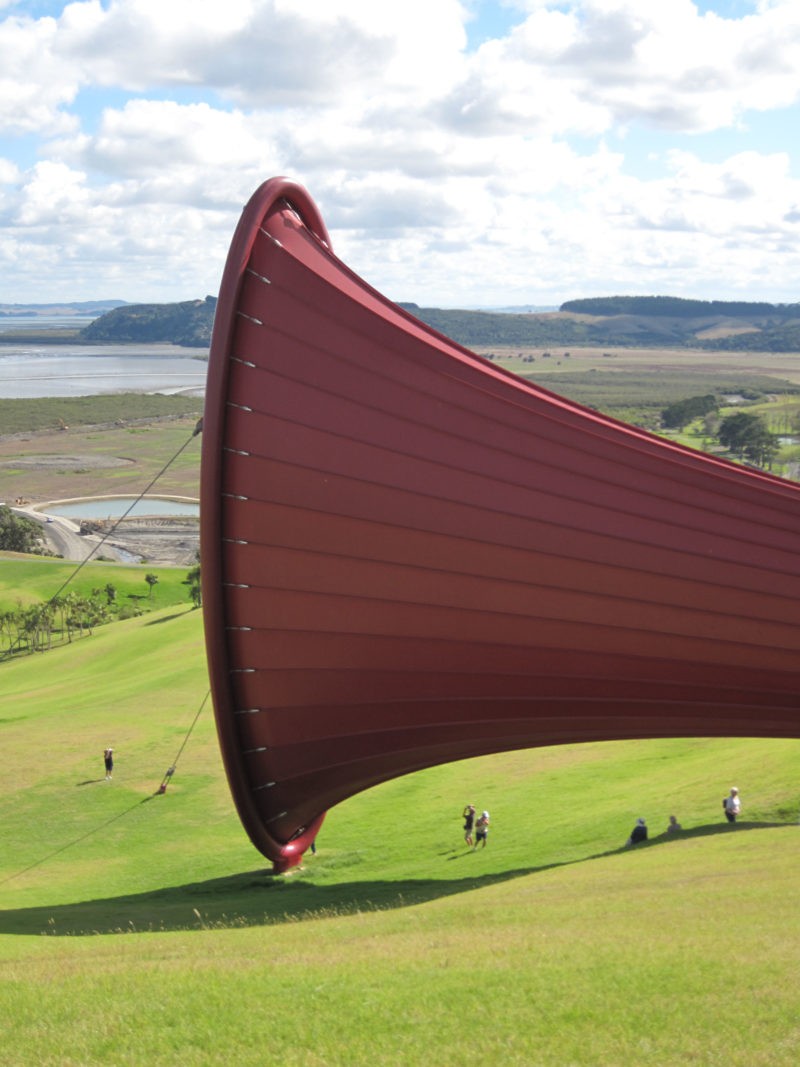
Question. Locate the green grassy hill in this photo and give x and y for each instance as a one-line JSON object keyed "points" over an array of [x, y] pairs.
{"points": [[30, 579], [136, 927]]}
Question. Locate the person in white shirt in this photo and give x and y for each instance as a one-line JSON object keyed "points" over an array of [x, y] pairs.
{"points": [[732, 804], [481, 829]]}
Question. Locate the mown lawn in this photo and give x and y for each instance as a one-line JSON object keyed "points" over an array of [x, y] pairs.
{"points": [[137, 927], [34, 579]]}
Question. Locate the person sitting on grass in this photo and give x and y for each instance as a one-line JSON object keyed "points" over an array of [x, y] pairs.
{"points": [[638, 833]]}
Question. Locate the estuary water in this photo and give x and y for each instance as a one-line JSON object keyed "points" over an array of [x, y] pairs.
{"points": [[30, 370], [70, 370]]}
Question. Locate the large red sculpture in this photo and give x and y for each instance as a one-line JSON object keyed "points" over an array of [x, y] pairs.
{"points": [[410, 556]]}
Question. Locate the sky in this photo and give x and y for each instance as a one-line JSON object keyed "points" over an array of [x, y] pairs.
{"points": [[463, 153]]}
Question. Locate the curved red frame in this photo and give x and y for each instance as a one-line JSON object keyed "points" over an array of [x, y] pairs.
{"points": [[410, 556], [274, 191]]}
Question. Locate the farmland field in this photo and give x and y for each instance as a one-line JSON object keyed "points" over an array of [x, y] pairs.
{"points": [[100, 460], [689, 364], [628, 383]]}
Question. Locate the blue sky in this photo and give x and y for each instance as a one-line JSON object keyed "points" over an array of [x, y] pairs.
{"points": [[462, 152]]}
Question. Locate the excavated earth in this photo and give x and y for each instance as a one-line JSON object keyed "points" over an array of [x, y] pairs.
{"points": [[52, 474]]}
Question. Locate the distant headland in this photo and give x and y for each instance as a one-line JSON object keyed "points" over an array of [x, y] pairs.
{"points": [[619, 321]]}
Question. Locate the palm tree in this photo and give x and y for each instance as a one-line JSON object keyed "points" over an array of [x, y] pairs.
{"points": [[193, 581]]}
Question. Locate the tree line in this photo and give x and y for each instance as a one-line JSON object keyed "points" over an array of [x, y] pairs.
{"points": [[19, 534], [63, 619], [38, 627], [744, 435], [747, 437], [679, 307]]}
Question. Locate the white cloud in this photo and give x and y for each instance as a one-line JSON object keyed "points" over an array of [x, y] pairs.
{"points": [[158, 136], [612, 62], [34, 88], [52, 194], [9, 172], [505, 171], [264, 52]]}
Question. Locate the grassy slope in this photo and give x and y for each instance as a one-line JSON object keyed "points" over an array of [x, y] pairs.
{"points": [[393, 945], [35, 414], [35, 579]]}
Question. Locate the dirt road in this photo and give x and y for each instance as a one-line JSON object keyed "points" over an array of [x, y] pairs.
{"points": [[161, 542]]}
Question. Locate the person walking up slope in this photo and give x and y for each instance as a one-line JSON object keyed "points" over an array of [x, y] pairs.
{"points": [[482, 829], [732, 804], [469, 822]]}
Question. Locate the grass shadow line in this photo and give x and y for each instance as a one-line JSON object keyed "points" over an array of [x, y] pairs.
{"points": [[260, 898], [167, 618]]}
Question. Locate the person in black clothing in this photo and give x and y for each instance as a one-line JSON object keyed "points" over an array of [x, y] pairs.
{"points": [[469, 823], [638, 833], [108, 759]]}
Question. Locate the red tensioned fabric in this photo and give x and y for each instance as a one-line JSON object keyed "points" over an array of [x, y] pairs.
{"points": [[410, 556]]}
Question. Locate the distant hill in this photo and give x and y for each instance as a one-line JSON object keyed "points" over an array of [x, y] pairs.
{"points": [[627, 321], [517, 309], [679, 307], [501, 328], [619, 321], [82, 308], [188, 323]]}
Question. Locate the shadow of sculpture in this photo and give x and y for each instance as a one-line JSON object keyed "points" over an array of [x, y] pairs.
{"points": [[259, 898]]}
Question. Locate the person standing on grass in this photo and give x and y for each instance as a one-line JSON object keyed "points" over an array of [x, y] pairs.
{"points": [[732, 804], [469, 822], [108, 759], [482, 829]]}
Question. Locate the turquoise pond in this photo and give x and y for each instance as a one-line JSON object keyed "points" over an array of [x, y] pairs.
{"points": [[115, 507]]}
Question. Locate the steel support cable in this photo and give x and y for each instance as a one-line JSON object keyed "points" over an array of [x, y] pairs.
{"points": [[171, 769], [197, 429], [76, 841], [89, 833]]}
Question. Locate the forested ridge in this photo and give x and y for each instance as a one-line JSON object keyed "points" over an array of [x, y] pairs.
{"points": [[680, 307], [642, 321], [649, 321], [187, 323]]}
